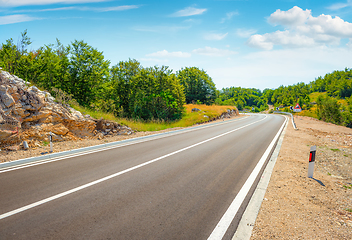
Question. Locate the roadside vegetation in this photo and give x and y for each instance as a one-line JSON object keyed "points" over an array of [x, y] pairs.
{"points": [[80, 76], [326, 98], [189, 118]]}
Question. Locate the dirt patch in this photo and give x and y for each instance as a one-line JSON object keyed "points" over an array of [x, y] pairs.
{"points": [[298, 207]]}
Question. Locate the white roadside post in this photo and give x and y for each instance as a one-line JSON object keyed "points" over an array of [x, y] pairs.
{"points": [[51, 142], [313, 149], [25, 145]]}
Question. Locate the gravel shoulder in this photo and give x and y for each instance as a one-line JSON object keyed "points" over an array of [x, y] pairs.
{"points": [[298, 207]]}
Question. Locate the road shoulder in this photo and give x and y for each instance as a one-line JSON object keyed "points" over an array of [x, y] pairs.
{"points": [[298, 207]]}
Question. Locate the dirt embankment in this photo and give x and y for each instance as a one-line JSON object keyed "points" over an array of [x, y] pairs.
{"points": [[298, 207]]}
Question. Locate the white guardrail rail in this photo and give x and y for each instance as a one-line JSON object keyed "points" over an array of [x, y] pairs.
{"points": [[287, 113]]}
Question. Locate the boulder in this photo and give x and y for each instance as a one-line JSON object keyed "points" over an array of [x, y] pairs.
{"points": [[6, 98]]}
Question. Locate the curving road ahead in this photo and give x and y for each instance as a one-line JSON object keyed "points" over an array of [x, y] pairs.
{"points": [[173, 186]]}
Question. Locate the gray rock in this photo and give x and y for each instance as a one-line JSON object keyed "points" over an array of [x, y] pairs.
{"points": [[7, 99]]}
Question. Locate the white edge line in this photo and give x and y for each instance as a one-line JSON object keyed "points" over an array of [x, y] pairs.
{"points": [[247, 222], [224, 223], [102, 148], [13, 212]]}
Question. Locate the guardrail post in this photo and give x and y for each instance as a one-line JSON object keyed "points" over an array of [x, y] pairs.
{"points": [[51, 142]]}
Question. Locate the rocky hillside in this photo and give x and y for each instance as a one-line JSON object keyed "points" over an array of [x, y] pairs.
{"points": [[29, 114]]}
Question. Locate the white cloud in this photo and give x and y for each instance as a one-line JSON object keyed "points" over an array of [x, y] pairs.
{"points": [[260, 41], [213, 52], [10, 19], [42, 2], [165, 53], [294, 16], [302, 30], [325, 24], [189, 11], [245, 33], [107, 9], [215, 36], [338, 6], [116, 8], [283, 38], [229, 16]]}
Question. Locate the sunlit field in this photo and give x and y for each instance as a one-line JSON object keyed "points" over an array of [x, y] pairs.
{"points": [[189, 118]]}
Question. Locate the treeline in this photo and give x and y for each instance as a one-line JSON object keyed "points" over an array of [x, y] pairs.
{"points": [[334, 106], [126, 89], [338, 86], [242, 98], [80, 72]]}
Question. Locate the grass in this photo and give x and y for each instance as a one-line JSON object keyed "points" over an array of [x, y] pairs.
{"points": [[190, 118], [347, 187], [309, 113], [335, 149], [349, 209]]}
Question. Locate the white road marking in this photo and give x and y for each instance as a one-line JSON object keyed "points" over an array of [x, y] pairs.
{"points": [[40, 162], [8, 214], [224, 223]]}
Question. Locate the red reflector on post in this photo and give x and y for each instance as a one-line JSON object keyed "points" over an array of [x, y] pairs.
{"points": [[312, 156]]}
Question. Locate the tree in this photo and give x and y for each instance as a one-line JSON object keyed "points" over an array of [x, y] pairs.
{"points": [[88, 72], [197, 84], [122, 77], [146, 93], [328, 110]]}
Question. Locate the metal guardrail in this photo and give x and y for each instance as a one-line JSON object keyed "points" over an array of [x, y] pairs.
{"points": [[293, 120]]}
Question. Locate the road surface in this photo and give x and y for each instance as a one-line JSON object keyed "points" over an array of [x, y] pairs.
{"points": [[174, 186]]}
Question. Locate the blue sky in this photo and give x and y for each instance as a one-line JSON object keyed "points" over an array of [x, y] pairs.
{"points": [[247, 43]]}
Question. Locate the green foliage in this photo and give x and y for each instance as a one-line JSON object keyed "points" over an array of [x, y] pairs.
{"points": [[197, 84], [88, 71], [79, 72], [63, 97], [242, 98], [328, 109], [336, 84], [288, 96], [146, 93]]}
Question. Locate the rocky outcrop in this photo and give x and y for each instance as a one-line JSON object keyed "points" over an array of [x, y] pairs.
{"points": [[228, 114], [27, 113]]}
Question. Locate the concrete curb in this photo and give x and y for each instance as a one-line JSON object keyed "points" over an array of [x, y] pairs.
{"points": [[246, 225]]}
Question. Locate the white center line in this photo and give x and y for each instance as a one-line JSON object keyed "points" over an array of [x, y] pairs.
{"points": [[13, 212]]}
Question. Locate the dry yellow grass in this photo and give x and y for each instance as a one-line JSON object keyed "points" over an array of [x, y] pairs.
{"points": [[190, 118]]}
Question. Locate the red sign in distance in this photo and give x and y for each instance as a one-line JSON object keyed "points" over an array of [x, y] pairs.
{"points": [[298, 106]]}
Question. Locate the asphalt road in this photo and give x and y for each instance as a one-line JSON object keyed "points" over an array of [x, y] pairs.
{"points": [[175, 186]]}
